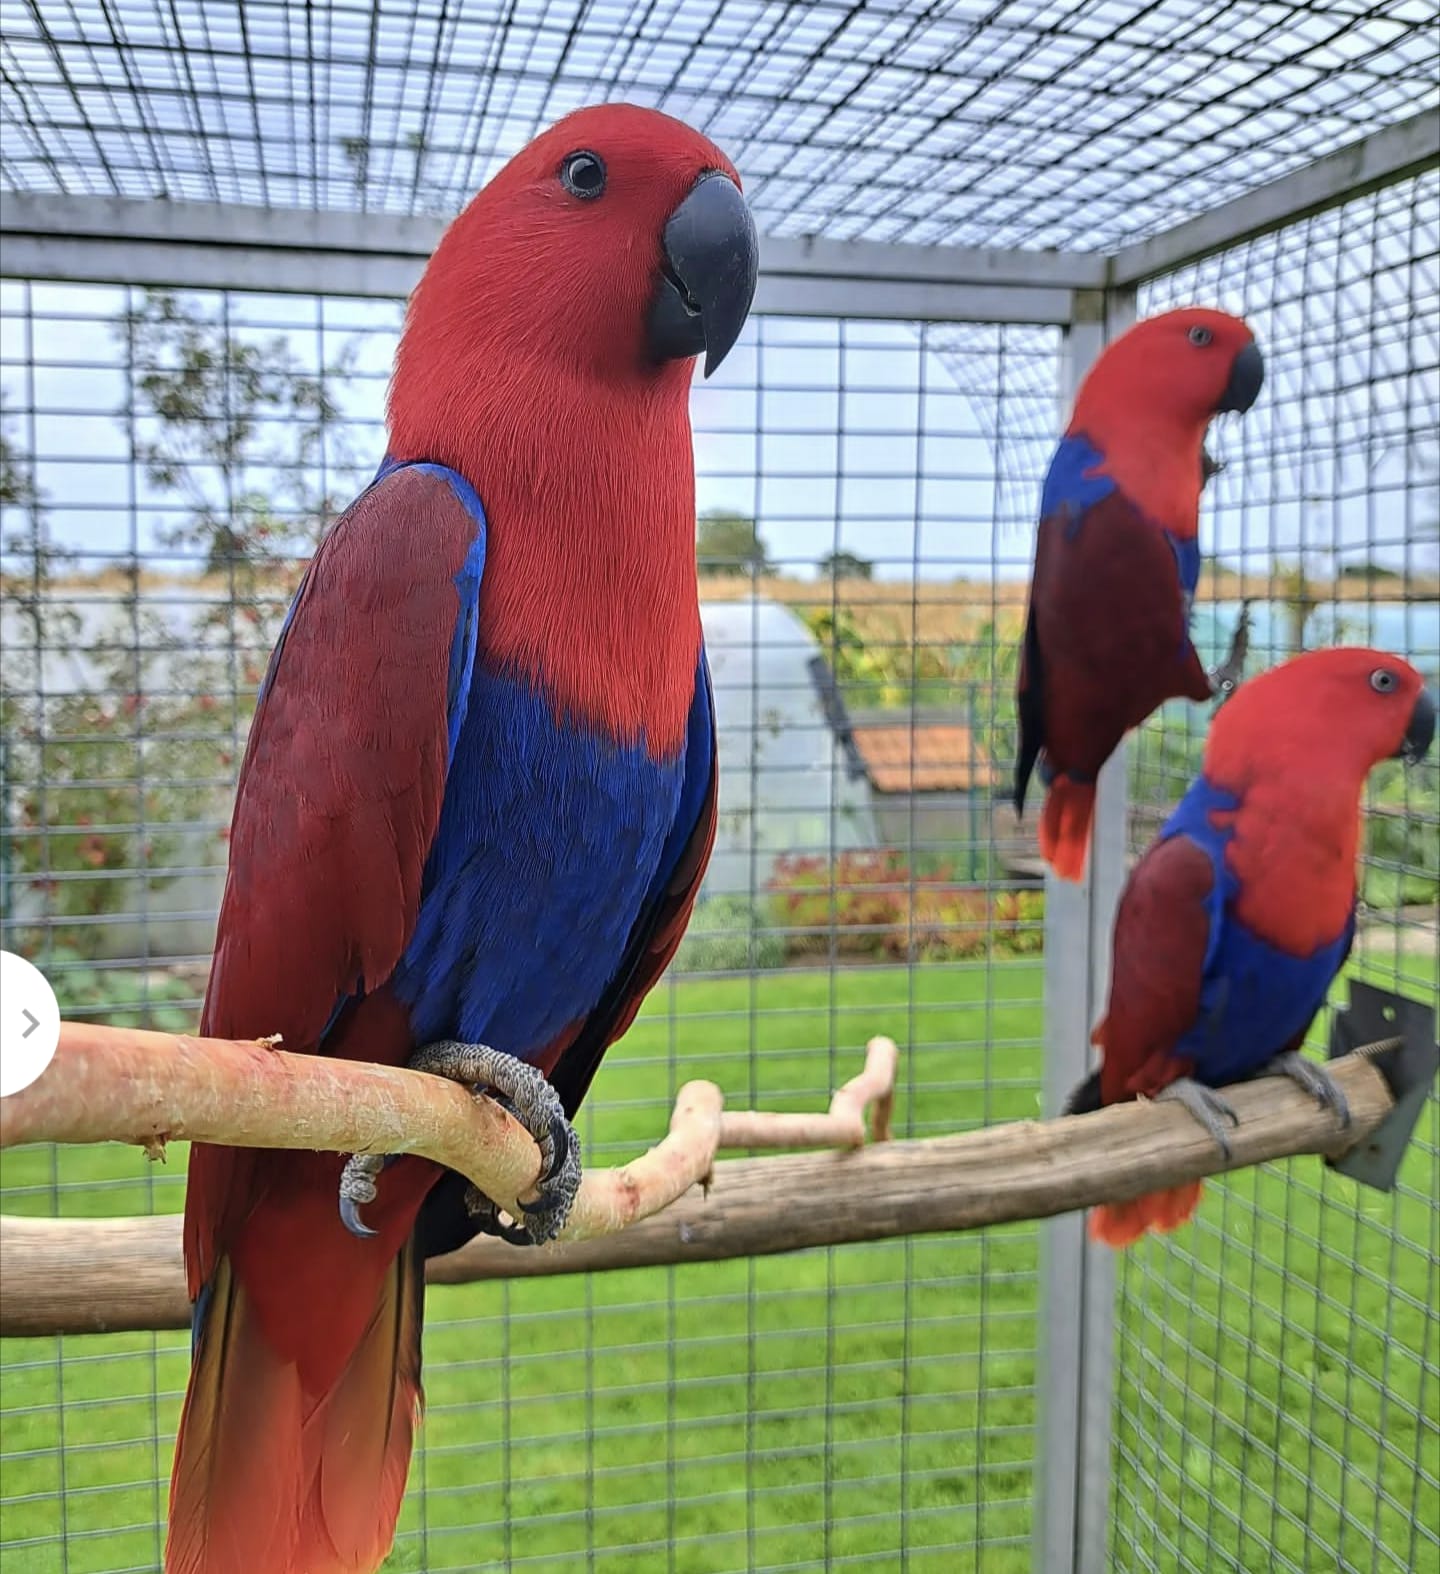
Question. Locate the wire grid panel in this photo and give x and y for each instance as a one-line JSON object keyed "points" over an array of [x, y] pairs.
{"points": [[1278, 1380], [167, 458], [1040, 123]]}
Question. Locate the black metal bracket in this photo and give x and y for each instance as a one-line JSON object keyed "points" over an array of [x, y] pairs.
{"points": [[1409, 1066]]}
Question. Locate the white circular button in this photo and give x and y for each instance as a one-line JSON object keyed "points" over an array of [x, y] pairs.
{"points": [[29, 1023]]}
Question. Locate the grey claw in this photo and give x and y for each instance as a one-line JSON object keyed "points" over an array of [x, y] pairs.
{"points": [[1227, 677], [357, 1187], [535, 1104], [1205, 1106], [529, 1097], [1315, 1080]]}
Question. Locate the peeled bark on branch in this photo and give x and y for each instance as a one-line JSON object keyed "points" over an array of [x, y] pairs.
{"points": [[125, 1085], [96, 1275]]}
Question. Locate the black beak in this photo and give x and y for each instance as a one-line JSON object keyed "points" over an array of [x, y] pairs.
{"points": [[1421, 732], [707, 281], [1247, 377]]}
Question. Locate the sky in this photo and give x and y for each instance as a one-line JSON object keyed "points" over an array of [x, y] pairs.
{"points": [[921, 448]]}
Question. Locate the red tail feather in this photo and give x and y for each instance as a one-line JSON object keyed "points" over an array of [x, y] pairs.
{"points": [[269, 1475], [1065, 826], [1123, 1223]]}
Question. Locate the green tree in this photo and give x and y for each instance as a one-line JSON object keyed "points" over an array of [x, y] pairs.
{"points": [[730, 544], [237, 429], [1295, 600], [249, 441], [17, 484], [90, 772], [846, 565]]}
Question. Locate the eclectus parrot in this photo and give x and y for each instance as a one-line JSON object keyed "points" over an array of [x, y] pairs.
{"points": [[477, 801], [1117, 559], [1241, 913]]}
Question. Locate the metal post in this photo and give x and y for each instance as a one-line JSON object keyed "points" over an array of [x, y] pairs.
{"points": [[1078, 1277]]}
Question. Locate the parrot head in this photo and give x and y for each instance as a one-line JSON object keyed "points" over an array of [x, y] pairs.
{"points": [[612, 250], [1170, 375], [1337, 712], [1186, 365]]}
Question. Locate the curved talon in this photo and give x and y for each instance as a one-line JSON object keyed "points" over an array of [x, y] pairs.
{"points": [[1204, 1105], [524, 1092], [488, 1221], [1315, 1080], [357, 1188], [1227, 677]]}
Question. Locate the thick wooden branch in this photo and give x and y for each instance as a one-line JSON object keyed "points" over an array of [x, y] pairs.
{"points": [[150, 1088], [123, 1085], [89, 1276]]}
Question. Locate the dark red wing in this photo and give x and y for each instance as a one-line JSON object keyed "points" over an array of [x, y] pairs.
{"points": [[339, 795], [1162, 935], [1108, 634]]}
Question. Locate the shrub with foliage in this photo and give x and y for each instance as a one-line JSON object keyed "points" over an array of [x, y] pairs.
{"points": [[903, 669], [728, 934], [877, 904], [730, 545], [1402, 836], [124, 996]]}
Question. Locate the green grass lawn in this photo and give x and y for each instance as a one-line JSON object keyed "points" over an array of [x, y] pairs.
{"points": [[870, 1406]]}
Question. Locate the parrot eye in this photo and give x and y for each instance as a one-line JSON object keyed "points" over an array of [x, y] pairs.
{"points": [[1200, 336], [583, 175], [1382, 680]]}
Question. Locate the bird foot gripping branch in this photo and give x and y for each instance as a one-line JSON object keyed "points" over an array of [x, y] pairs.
{"points": [[1206, 1106], [1228, 676], [1215, 1113], [1315, 1080], [524, 1092]]}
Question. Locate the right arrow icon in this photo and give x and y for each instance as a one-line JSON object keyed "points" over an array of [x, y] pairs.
{"points": [[32, 1019]]}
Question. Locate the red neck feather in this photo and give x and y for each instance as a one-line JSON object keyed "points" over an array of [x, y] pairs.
{"points": [[580, 449], [1152, 456]]}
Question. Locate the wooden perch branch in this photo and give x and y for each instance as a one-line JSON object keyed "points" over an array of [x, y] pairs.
{"points": [[118, 1085], [74, 1276], [842, 1127]]}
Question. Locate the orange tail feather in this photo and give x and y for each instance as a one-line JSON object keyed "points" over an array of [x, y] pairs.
{"points": [[268, 1476], [1065, 826], [1120, 1224]]}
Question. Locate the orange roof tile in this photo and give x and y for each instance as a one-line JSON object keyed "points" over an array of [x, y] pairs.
{"points": [[923, 759]]}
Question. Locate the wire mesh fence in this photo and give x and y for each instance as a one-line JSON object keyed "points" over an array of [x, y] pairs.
{"points": [[867, 491], [169, 458], [1036, 123], [1279, 1394]]}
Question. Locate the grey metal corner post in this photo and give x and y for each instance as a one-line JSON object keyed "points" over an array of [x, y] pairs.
{"points": [[1078, 1276]]}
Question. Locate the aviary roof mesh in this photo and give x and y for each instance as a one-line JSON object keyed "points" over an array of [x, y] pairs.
{"points": [[1038, 123]]}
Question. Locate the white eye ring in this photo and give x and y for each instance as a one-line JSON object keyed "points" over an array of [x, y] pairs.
{"points": [[1382, 680]]}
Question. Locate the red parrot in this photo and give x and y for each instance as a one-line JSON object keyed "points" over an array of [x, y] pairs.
{"points": [[1241, 913], [1117, 558], [477, 801]]}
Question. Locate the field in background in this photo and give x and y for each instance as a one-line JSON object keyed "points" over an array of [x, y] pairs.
{"points": [[1217, 584], [677, 1415]]}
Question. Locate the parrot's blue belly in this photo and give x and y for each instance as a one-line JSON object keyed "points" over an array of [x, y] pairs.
{"points": [[548, 841], [1254, 998]]}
